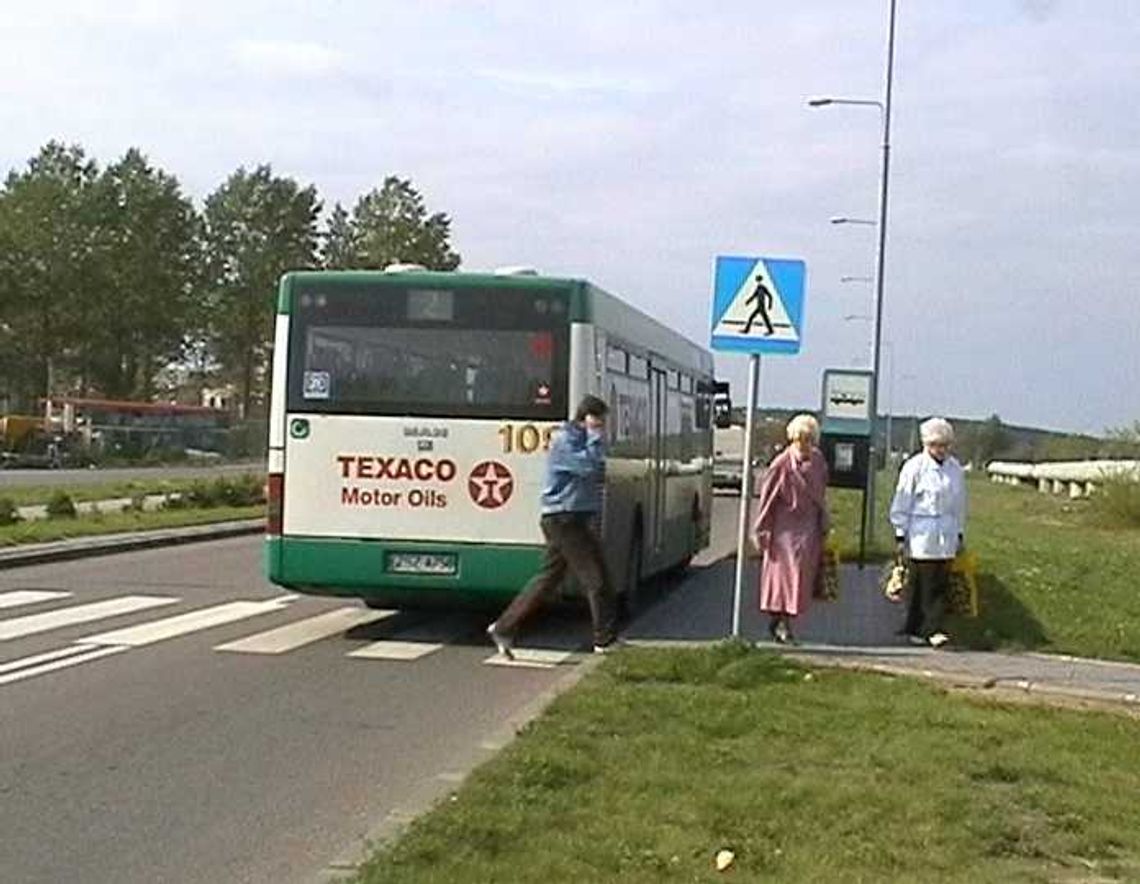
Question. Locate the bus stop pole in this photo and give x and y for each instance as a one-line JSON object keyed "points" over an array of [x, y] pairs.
{"points": [[745, 488]]}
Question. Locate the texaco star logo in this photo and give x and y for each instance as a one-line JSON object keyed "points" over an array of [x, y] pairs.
{"points": [[490, 484]]}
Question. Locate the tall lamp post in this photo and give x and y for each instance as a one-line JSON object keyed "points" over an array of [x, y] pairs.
{"points": [[884, 178]]}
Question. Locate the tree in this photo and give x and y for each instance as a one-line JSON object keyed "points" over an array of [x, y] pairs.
{"points": [[983, 442], [338, 247], [1123, 442], [257, 227], [47, 254], [149, 249], [392, 225]]}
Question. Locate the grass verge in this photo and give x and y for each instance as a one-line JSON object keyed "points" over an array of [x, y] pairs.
{"points": [[31, 495], [1053, 576], [664, 757], [47, 530]]}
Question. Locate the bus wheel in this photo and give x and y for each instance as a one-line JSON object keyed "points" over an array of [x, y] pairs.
{"points": [[374, 604], [631, 595]]}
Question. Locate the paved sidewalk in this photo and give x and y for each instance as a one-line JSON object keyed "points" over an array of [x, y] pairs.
{"points": [[859, 631], [103, 544]]}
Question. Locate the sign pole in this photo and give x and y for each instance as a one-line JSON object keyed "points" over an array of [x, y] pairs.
{"points": [[745, 488]]}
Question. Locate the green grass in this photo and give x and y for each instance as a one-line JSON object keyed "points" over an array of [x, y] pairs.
{"points": [[664, 757], [846, 512], [45, 530], [1054, 576], [30, 495]]}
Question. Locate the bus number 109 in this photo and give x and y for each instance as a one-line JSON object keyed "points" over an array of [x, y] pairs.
{"points": [[525, 438]]}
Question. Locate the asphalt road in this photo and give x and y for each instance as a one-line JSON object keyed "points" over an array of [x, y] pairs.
{"points": [[14, 478], [136, 748]]}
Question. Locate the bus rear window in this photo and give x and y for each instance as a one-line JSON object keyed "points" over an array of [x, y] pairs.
{"points": [[455, 353]]}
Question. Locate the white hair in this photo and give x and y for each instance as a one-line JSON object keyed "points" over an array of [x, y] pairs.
{"points": [[935, 431], [803, 425]]}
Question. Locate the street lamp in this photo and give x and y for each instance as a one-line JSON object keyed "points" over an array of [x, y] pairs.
{"points": [[824, 102], [868, 527]]}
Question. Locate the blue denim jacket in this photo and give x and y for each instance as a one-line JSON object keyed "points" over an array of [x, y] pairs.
{"points": [[575, 471]]}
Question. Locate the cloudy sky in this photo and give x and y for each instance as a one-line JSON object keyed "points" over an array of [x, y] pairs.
{"points": [[632, 142]]}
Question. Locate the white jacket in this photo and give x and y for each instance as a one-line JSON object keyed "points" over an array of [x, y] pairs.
{"points": [[929, 506]]}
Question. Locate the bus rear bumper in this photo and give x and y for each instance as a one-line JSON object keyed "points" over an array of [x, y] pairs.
{"points": [[483, 574]]}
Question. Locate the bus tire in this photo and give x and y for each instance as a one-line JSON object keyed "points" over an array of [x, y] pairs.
{"points": [[695, 518], [374, 604], [632, 596]]}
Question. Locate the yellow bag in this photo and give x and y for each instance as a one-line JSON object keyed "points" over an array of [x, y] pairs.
{"points": [[963, 592], [827, 581]]}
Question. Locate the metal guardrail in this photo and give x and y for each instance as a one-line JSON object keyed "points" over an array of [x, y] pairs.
{"points": [[1078, 478]]}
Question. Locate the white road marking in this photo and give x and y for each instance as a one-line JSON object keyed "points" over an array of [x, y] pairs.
{"points": [[182, 624], [88, 654], [395, 650], [30, 624], [528, 658], [18, 597], [24, 662], [304, 632]]}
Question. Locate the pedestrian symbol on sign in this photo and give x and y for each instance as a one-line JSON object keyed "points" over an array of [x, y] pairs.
{"points": [[764, 303]]}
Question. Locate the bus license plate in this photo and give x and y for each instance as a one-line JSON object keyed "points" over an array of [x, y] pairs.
{"points": [[421, 563]]}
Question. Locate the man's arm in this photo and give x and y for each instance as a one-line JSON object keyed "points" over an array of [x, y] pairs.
{"points": [[579, 461]]}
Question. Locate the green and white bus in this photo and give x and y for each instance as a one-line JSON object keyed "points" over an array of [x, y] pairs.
{"points": [[410, 413]]}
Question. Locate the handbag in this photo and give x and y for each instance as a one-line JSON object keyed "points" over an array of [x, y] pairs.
{"points": [[895, 578], [962, 594]]}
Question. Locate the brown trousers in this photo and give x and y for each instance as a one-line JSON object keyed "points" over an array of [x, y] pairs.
{"points": [[571, 545]]}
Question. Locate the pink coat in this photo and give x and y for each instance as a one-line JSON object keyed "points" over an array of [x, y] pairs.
{"points": [[790, 524]]}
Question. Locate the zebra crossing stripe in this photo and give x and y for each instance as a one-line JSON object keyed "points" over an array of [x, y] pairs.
{"points": [[42, 664], [184, 624], [304, 632], [395, 650], [30, 624], [17, 597], [38, 659], [530, 658]]}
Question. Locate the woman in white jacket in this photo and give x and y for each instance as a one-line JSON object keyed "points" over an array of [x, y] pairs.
{"points": [[928, 513]]}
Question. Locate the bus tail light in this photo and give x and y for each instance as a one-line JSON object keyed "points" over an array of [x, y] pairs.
{"points": [[275, 503]]}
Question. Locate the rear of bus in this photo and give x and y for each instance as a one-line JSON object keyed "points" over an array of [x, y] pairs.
{"points": [[409, 418]]}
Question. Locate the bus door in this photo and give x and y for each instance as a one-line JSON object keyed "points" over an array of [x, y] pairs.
{"points": [[658, 423]]}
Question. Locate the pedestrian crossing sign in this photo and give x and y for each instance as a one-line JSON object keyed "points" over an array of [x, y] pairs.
{"points": [[758, 304]]}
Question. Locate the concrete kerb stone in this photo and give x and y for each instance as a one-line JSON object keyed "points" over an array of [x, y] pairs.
{"points": [[434, 789], [1043, 691], [107, 544]]}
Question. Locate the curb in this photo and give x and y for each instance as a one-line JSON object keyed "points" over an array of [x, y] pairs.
{"points": [[1045, 691], [1040, 690], [108, 544]]}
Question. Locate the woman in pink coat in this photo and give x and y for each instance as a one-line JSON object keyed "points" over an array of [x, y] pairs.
{"points": [[790, 525]]}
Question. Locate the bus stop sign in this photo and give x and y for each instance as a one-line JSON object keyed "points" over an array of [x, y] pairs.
{"points": [[758, 305]]}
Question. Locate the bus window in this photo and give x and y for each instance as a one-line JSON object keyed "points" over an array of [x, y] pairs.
{"points": [[415, 352]]}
